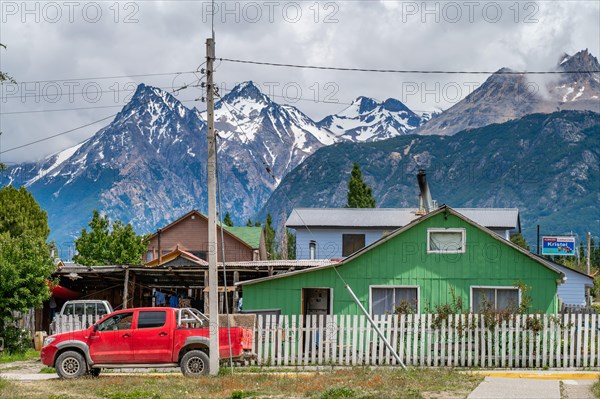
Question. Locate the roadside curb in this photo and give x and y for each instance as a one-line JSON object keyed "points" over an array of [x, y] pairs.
{"points": [[541, 375]]}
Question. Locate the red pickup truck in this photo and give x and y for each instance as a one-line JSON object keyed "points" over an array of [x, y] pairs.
{"points": [[143, 337]]}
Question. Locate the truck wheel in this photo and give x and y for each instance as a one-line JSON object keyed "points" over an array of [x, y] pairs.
{"points": [[194, 363], [70, 365]]}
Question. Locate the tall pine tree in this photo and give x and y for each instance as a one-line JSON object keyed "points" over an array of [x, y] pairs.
{"points": [[270, 237], [360, 195], [227, 220]]}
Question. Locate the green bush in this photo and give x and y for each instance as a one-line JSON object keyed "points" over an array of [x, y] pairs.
{"points": [[16, 340], [337, 393]]}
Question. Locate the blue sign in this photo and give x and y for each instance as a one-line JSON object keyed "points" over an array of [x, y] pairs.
{"points": [[558, 246]]}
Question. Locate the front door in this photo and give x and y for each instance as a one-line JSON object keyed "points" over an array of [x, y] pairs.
{"points": [[152, 340], [316, 301], [111, 342]]}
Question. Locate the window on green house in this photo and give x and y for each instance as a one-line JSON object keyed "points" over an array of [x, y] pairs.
{"points": [[498, 298], [446, 240], [390, 300]]}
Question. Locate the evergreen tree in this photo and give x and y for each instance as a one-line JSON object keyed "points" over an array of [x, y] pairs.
{"points": [[360, 195], [21, 215], [291, 243], [227, 220], [270, 237], [249, 223], [25, 262], [102, 246], [519, 240]]}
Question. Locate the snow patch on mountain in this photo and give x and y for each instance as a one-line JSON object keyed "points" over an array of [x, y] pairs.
{"points": [[366, 119], [57, 159]]}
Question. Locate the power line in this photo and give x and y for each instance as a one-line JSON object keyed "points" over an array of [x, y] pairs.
{"points": [[77, 128], [58, 134], [111, 77], [416, 71], [99, 106]]}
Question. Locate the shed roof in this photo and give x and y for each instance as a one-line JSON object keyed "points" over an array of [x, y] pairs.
{"points": [[250, 235], [394, 217]]}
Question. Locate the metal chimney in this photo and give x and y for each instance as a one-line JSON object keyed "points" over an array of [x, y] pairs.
{"points": [[426, 204]]}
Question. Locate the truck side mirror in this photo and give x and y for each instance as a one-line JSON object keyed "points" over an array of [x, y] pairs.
{"points": [[95, 329]]}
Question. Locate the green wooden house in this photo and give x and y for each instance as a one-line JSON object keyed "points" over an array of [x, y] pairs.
{"points": [[419, 265]]}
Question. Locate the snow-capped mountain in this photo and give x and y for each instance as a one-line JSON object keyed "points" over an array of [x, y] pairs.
{"points": [[148, 166], [504, 96], [580, 89], [369, 120], [254, 127]]}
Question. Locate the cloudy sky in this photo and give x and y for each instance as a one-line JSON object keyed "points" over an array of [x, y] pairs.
{"points": [[78, 62]]}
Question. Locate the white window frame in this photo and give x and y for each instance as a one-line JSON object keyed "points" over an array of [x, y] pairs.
{"points": [[394, 286], [493, 287], [462, 231]]}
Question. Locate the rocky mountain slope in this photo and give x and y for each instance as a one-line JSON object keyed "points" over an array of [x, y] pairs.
{"points": [[546, 165], [505, 96]]}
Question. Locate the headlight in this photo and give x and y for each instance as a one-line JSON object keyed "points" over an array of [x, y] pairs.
{"points": [[48, 340]]}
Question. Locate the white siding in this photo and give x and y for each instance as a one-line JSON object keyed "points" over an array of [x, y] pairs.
{"points": [[572, 291]]}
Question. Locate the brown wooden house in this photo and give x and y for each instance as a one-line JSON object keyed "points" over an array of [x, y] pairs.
{"points": [[189, 233]]}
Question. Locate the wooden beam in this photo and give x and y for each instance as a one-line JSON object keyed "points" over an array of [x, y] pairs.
{"points": [[125, 288]]}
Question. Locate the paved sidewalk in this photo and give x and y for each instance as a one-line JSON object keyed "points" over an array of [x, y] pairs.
{"points": [[516, 388], [527, 384]]}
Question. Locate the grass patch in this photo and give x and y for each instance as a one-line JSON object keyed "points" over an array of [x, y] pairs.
{"points": [[48, 370], [596, 389], [29, 354], [241, 394], [338, 393], [357, 383]]}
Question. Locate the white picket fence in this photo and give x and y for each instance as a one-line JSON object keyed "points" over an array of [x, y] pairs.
{"points": [[523, 341], [67, 323]]}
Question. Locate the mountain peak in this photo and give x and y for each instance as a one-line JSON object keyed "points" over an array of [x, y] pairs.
{"points": [[365, 104], [146, 96], [581, 61], [247, 90], [394, 105]]}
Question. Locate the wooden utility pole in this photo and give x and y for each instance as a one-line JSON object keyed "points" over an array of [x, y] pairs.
{"points": [[284, 236], [588, 251], [213, 279], [125, 288]]}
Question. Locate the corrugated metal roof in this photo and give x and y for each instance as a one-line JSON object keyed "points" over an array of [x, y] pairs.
{"points": [[492, 217], [351, 217], [393, 217], [282, 263]]}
